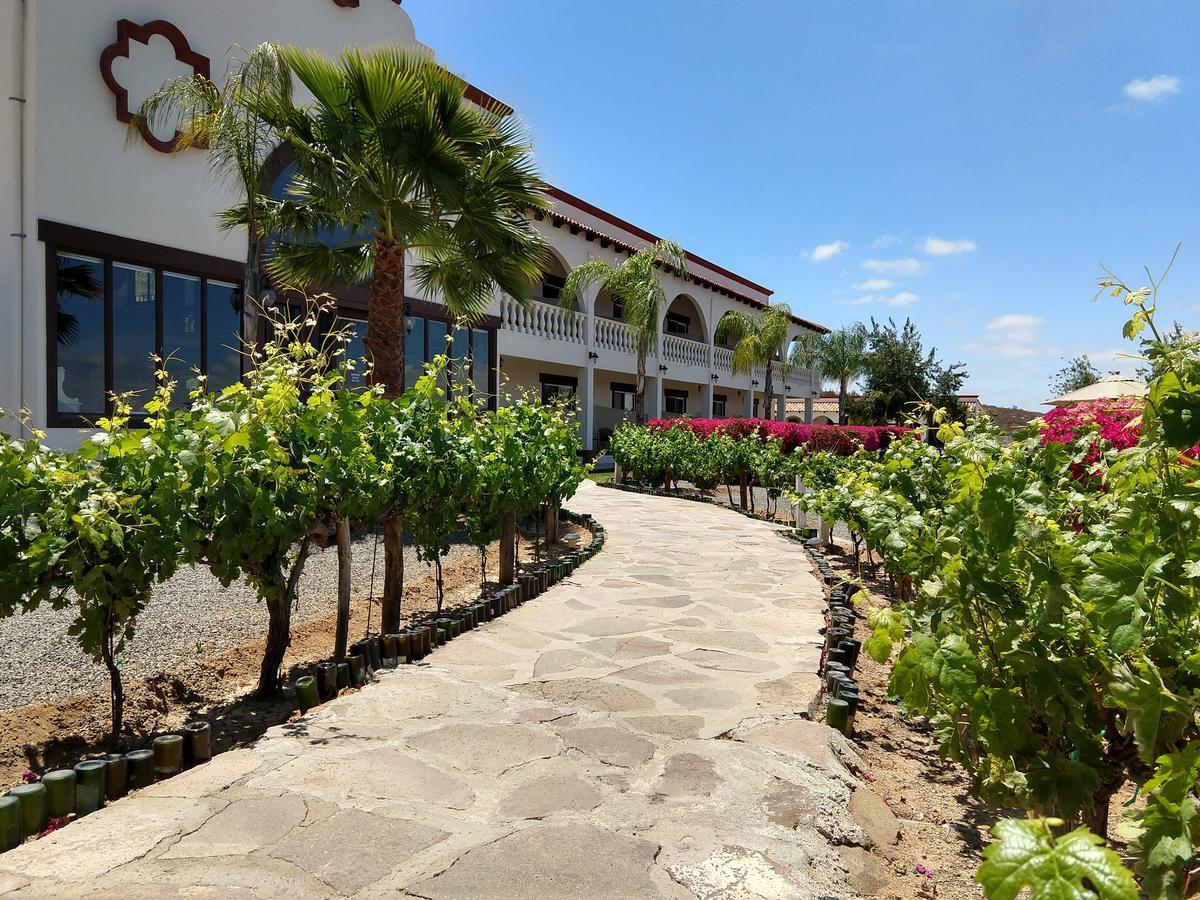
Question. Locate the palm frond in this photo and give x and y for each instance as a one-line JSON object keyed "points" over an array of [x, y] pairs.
{"points": [[583, 276], [309, 265]]}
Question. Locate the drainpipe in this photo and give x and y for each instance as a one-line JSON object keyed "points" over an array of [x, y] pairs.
{"points": [[14, 97]]}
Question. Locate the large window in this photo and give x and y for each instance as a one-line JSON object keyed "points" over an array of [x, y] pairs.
{"points": [[720, 404], [469, 354], [678, 324], [111, 315], [558, 388], [622, 396], [675, 402]]}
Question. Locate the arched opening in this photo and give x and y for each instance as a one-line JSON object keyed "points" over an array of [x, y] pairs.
{"points": [[725, 341], [548, 288], [684, 319], [608, 307], [822, 420]]}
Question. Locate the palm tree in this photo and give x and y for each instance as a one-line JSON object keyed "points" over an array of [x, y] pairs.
{"points": [[391, 158], [806, 352], [759, 339], [842, 358], [229, 126], [635, 283]]}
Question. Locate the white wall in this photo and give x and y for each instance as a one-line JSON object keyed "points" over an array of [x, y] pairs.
{"points": [[78, 169]]}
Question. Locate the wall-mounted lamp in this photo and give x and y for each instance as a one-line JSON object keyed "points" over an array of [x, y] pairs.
{"points": [[270, 300], [715, 377], [409, 322], [593, 355], [661, 367], [755, 383]]}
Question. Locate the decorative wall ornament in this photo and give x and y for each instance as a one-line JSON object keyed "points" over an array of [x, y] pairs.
{"points": [[130, 31]]}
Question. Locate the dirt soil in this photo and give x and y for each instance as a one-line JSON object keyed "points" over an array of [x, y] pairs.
{"points": [[943, 827], [44, 736]]}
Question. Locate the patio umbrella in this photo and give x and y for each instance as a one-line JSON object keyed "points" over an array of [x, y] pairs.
{"points": [[1107, 388]]}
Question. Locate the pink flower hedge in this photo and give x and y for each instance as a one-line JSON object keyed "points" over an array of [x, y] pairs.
{"points": [[843, 440], [1116, 422]]}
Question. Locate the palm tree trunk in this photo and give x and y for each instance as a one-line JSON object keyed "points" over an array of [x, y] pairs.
{"points": [[252, 287], [385, 345], [639, 391], [842, 386]]}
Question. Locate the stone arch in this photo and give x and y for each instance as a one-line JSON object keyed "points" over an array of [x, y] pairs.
{"points": [[685, 308], [554, 272]]}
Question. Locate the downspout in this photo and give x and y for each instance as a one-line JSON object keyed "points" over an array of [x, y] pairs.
{"points": [[17, 231]]}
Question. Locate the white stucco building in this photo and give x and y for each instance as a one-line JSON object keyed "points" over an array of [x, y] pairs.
{"points": [[111, 252]]}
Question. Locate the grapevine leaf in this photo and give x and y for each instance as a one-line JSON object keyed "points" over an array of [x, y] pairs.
{"points": [[879, 646], [1142, 695], [1074, 867]]}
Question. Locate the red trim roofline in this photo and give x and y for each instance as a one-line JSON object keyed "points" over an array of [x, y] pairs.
{"points": [[578, 203], [482, 98]]}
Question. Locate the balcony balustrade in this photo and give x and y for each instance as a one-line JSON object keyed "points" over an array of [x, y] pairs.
{"points": [[543, 320], [684, 351]]}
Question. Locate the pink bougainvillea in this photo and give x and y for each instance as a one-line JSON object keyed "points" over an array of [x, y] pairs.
{"points": [[1117, 424], [843, 440]]}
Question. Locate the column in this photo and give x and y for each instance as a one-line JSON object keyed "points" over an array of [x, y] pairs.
{"points": [[808, 410], [748, 411], [585, 397], [654, 406], [781, 408], [706, 399]]}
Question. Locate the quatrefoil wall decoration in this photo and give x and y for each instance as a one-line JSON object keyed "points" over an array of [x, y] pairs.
{"points": [[130, 31]]}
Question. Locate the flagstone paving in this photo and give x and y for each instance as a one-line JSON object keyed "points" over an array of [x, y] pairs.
{"points": [[636, 732]]}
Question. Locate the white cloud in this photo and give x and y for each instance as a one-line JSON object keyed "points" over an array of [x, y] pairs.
{"points": [[1151, 90], [903, 298], [875, 284], [906, 266], [824, 252], [1012, 335], [884, 240], [938, 247]]}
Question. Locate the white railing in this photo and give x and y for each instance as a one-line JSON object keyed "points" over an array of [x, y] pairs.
{"points": [[723, 359], [614, 335], [686, 352], [543, 320]]}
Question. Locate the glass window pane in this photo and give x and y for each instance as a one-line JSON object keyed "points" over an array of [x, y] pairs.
{"points": [[356, 353], [134, 331], [414, 350], [460, 356], [480, 361], [438, 332], [181, 332], [224, 334], [79, 340]]}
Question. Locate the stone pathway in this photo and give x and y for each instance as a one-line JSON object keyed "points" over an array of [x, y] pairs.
{"points": [[634, 733]]}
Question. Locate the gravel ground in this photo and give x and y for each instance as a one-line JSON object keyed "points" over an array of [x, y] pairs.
{"points": [[189, 615]]}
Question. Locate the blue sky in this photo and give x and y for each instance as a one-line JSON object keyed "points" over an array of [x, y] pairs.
{"points": [[818, 147]]}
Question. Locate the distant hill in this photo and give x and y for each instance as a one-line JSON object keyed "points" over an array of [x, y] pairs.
{"points": [[1009, 418]]}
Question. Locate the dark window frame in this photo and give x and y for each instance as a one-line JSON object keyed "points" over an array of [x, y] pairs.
{"points": [[678, 320], [621, 387], [675, 394], [351, 302], [110, 249], [552, 379], [723, 399]]}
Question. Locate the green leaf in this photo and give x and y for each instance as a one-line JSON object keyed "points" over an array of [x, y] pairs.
{"points": [[879, 646], [1075, 867], [1142, 695]]}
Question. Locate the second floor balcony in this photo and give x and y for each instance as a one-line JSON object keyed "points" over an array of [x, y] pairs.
{"points": [[545, 330]]}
